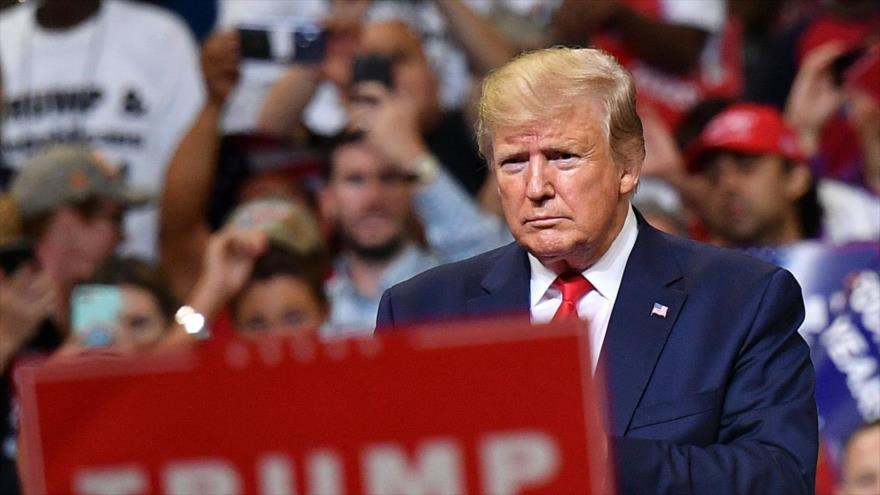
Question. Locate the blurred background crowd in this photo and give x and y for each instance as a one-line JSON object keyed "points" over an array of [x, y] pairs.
{"points": [[275, 165]]}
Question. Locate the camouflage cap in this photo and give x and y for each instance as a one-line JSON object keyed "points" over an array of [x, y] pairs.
{"points": [[66, 173]]}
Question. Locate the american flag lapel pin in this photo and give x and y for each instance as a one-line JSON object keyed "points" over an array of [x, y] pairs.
{"points": [[659, 310]]}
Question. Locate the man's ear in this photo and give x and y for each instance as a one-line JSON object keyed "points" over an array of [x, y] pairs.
{"points": [[631, 156], [798, 181], [629, 176]]}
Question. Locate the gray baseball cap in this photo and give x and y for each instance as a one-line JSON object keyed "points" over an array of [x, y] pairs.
{"points": [[67, 173]]}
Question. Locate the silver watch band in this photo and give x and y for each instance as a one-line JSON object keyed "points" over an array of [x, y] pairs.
{"points": [[193, 322]]}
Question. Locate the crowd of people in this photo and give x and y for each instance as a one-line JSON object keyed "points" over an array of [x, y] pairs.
{"points": [[219, 186]]}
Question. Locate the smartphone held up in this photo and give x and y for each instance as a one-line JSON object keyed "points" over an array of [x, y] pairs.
{"points": [[286, 42], [95, 314]]}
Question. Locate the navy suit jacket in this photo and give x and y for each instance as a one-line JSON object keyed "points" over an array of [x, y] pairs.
{"points": [[717, 397]]}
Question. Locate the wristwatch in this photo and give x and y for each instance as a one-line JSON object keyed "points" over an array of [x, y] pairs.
{"points": [[193, 322]]}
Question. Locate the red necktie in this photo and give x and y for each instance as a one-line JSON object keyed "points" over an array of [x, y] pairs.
{"points": [[573, 287]]}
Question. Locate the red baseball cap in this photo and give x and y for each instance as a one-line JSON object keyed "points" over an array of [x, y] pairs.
{"points": [[864, 75], [746, 128]]}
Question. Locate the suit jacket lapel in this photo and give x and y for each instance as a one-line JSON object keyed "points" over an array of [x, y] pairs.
{"points": [[635, 337], [505, 288]]}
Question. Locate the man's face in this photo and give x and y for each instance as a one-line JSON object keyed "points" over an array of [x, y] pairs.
{"points": [[103, 232], [861, 471], [91, 240], [564, 198], [752, 199], [368, 199]]}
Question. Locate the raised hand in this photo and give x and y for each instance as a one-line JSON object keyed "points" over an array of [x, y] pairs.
{"points": [[389, 121], [27, 297], [814, 96], [220, 59], [228, 262]]}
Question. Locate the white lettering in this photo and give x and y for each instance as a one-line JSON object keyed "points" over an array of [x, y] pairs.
{"points": [[843, 341], [868, 399], [816, 318], [123, 480], [325, 473], [865, 299], [848, 350], [437, 470], [275, 475], [511, 462], [203, 476], [859, 369]]}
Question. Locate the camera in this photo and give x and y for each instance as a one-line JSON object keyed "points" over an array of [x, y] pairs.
{"points": [[372, 67], [286, 42]]}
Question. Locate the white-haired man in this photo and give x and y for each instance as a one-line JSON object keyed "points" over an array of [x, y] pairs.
{"points": [[710, 386]]}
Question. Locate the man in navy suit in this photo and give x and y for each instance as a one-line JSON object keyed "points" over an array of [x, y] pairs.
{"points": [[710, 385]]}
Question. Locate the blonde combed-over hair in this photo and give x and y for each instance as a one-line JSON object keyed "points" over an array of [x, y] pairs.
{"points": [[542, 85]]}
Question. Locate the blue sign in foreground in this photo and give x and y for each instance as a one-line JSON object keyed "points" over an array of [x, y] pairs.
{"points": [[841, 286]]}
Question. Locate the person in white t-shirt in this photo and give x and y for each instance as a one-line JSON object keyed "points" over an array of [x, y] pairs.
{"points": [[458, 38], [116, 74]]}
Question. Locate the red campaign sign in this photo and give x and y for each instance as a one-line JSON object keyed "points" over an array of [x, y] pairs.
{"points": [[478, 408]]}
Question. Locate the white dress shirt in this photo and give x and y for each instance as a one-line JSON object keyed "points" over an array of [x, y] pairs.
{"points": [[605, 275]]}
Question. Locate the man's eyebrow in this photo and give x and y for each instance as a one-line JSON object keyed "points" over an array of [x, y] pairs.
{"points": [[568, 143], [558, 150], [570, 146], [512, 156]]}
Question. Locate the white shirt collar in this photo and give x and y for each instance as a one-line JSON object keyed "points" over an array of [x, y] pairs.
{"points": [[605, 274]]}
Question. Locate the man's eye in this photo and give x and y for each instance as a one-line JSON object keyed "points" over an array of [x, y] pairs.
{"points": [[562, 156], [513, 168], [748, 164], [355, 180], [138, 323], [513, 164], [256, 325], [294, 318], [394, 179]]}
